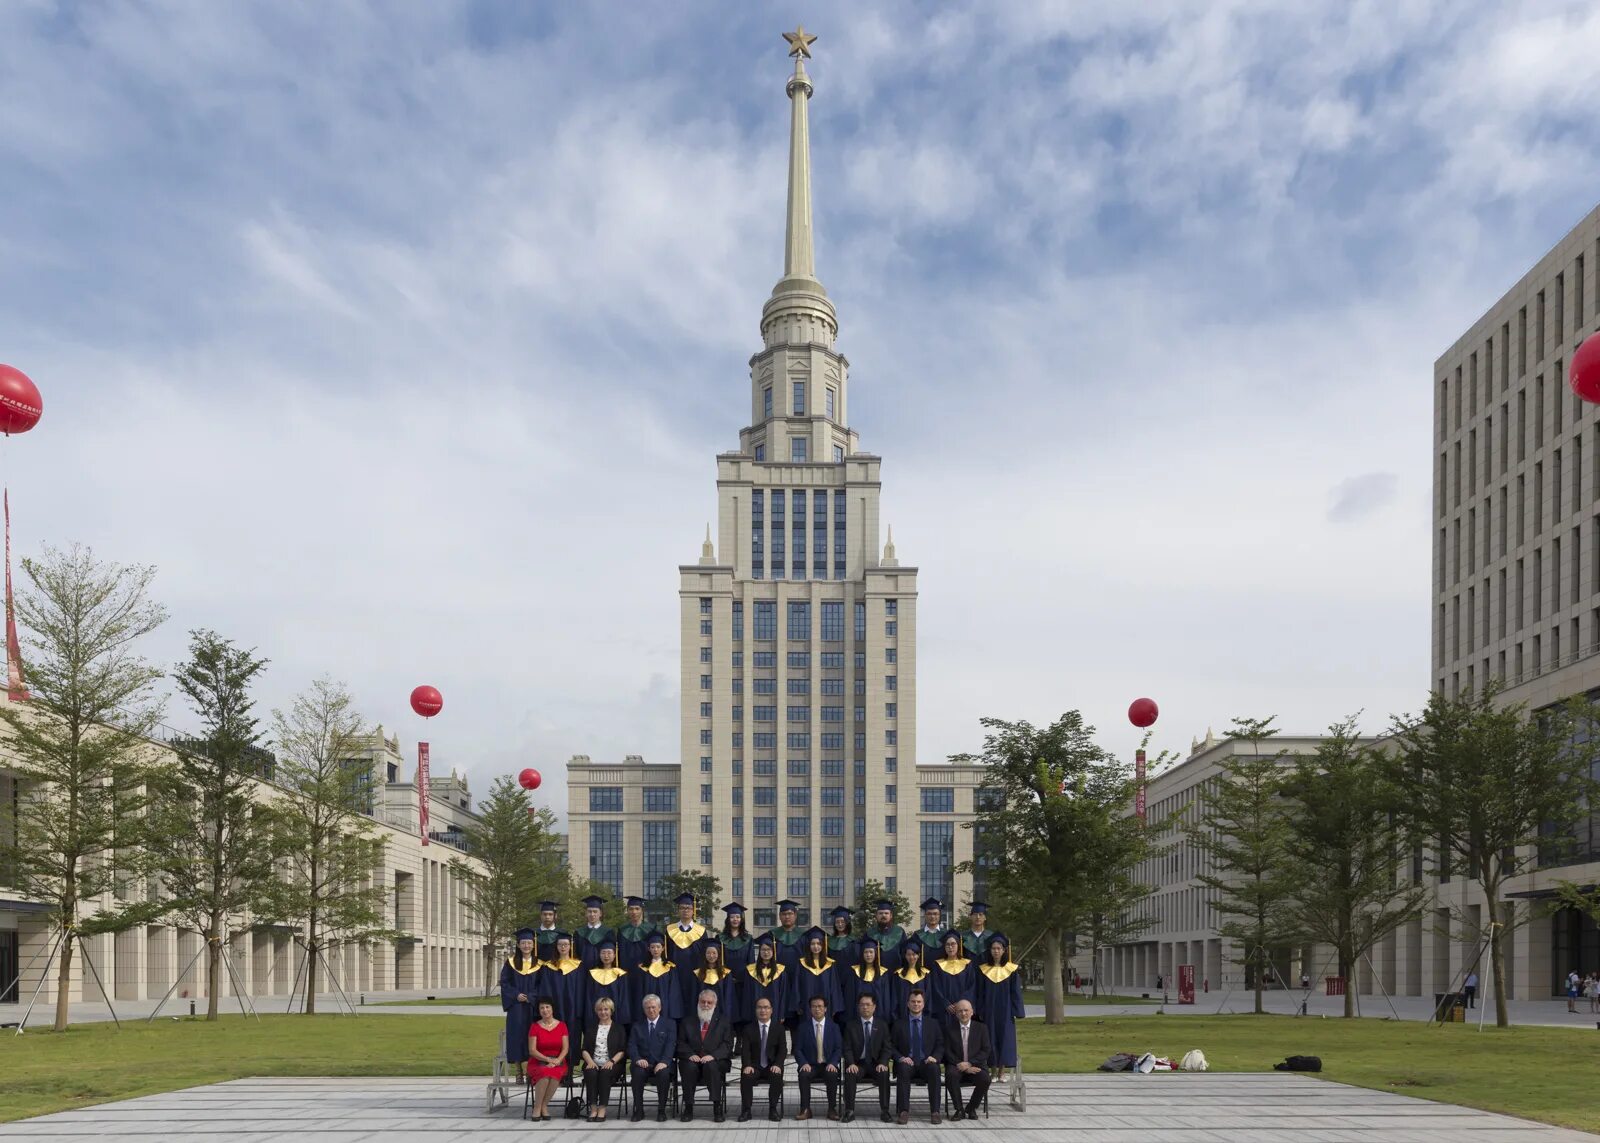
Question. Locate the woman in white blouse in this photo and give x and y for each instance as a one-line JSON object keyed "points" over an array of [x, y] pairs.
{"points": [[604, 1049]]}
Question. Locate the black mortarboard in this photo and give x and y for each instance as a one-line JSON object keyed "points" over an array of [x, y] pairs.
{"points": [[839, 911], [548, 906], [683, 899], [815, 934], [978, 907], [592, 902], [733, 907], [635, 902], [883, 906], [765, 939], [525, 934], [655, 939], [792, 906], [608, 943], [931, 903]]}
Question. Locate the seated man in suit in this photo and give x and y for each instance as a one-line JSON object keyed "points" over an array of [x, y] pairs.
{"points": [[917, 1043], [966, 1061], [866, 1056], [818, 1055], [651, 1048], [705, 1043], [761, 1060]]}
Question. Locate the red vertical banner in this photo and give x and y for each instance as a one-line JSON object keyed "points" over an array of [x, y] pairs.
{"points": [[1138, 776], [16, 690], [1186, 984], [422, 790]]}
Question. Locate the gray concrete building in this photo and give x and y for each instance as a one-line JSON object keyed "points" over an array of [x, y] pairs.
{"points": [[798, 772]]}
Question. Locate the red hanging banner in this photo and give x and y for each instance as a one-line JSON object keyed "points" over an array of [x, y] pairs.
{"points": [[422, 789], [1138, 776], [16, 690], [1186, 984]]}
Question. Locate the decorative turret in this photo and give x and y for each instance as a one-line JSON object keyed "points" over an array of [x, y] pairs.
{"points": [[708, 555], [889, 560]]}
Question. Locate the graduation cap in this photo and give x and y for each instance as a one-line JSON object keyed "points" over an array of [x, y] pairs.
{"points": [[865, 941], [911, 944], [524, 935], [592, 902], [931, 903], [608, 943], [549, 906], [635, 902], [765, 939], [883, 906], [839, 913], [816, 934], [733, 908], [791, 906], [560, 935], [979, 907], [655, 939], [684, 899], [948, 933]]}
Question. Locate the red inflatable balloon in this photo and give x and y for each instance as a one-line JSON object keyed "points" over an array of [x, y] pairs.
{"points": [[1584, 372], [529, 779], [1142, 712], [20, 404], [427, 701]]}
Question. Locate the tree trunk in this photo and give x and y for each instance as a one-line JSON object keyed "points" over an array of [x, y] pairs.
{"points": [[1261, 976], [1347, 973], [1497, 960], [1052, 977], [213, 973], [311, 979], [64, 982]]}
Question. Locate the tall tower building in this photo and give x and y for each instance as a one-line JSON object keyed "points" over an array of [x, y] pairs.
{"points": [[799, 634], [799, 652]]}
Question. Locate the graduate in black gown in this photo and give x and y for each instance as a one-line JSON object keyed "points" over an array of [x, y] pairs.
{"points": [[766, 978], [519, 989], [997, 984], [711, 971], [738, 949], [842, 945], [931, 934], [630, 937], [788, 940], [608, 979], [911, 974], [685, 935], [950, 978], [544, 935], [816, 975], [868, 977], [586, 941], [657, 975], [889, 935], [977, 936], [561, 978]]}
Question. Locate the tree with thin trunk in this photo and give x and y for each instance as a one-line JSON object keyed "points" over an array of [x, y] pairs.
{"points": [[1055, 806], [1243, 830], [330, 876], [515, 852], [866, 908], [210, 841], [1344, 847], [1494, 791], [706, 888], [80, 747]]}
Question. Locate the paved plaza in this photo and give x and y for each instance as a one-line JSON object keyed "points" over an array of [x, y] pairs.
{"points": [[1232, 1108]]}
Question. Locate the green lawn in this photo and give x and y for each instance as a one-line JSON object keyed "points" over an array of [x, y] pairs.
{"points": [[1073, 1000], [1537, 1073], [449, 1001]]}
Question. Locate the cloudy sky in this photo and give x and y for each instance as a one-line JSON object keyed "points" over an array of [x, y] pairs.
{"points": [[401, 337]]}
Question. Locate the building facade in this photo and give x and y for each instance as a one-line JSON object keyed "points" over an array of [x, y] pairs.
{"points": [[426, 905], [798, 652]]}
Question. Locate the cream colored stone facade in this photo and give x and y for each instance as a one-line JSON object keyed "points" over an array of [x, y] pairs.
{"points": [[426, 903]]}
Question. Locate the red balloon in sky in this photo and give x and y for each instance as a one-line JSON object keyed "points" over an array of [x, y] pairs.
{"points": [[427, 701], [529, 779], [1584, 372], [20, 403], [1142, 712]]}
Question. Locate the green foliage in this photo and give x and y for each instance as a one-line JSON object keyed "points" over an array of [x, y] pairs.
{"points": [[1344, 848], [330, 879], [80, 747], [1494, 792], [1244, 830], [210, 841], [866, 917], [707, 891]]}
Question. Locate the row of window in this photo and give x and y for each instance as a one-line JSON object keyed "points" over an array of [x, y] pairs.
{"points": [[799, 767], [664, 799], [830, 398]]}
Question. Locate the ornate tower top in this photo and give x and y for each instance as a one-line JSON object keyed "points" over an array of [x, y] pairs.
{"points": [[799, 311]]}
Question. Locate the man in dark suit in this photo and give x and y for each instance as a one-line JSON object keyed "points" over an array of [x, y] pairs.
{"points": [[866, 1056], [651, 1047], [818, 1055], [761, 1061], [966, 1061], [918, 1046], [705, 1043]]}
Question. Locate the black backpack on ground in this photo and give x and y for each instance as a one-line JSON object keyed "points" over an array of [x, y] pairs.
{"points": [[1300, 1064]]}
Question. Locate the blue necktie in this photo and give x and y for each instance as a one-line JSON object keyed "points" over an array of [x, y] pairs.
{"points": [[916, 1038]]}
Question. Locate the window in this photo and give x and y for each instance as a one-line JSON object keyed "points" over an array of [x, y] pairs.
{"points": [[889, 655], [833, 855], [738, 797], [860, 659], [891, 683], [605, 799], [860, 740], [705, 793], [799, 855], [738, 621], [891, 856], [832, 621], [891, 738], [889, 627], [937, 801], [768, 658], [861, 621], [800, 741], [861, 767], [738, 662], [705, 763], [861, 827], [891, 607], [705, 710], [889, 709], [891, 824], [661, 799], [799, 398], [799, 621], [861, 714], [833, 887], [799, 827], [832, 767], [705, 826], [861, 855], [861, 795], [765, 686], [832, 827], [705, 627], [861, 686], [799, 886], [705, 605], [738, 743], [938, 855], [705, 657], [764, 714], [766, 622], [889, 792], [799, 796], [766, 795], [832, 687], [797, 449], [799, 661], [766, 888], [766, 402], [736, 686], [660, 854], [766, 740], [833, 660], [766, 767], [605, 854], [797, 714], [890, 763], [761, 455], [838, 454], [799, 686], [833, 795], [833, 713], [765, 856], [830, 400], [766, 827]]}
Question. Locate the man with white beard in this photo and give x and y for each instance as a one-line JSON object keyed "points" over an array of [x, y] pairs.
{"points": [[705, 1043]]}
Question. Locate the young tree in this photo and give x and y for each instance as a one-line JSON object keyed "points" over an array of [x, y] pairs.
{"points": [[1344, 848], [707, 892], [1055, 802], [1489, 787], [870, 894], [80, 747], [210, 841], [518, 863], [330, 879], [1244, 829]]}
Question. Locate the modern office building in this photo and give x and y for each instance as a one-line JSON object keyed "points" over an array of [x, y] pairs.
{"points": [[426, 905], [799, 773]]}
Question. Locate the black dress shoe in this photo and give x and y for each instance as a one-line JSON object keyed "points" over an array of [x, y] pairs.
{"points": [[956, 1115], [636, 1117], [744, 1117], [661, 1115], [774, 1116], [687, 1116], [885, 1116], [848, 1117], [718, 1115]]}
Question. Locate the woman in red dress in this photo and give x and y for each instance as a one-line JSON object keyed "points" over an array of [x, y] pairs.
{"points": [[547, 1056]]}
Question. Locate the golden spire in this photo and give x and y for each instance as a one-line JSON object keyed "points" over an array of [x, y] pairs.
{"points": [[800, 42]]}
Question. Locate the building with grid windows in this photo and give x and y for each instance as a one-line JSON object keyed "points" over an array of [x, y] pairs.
{"points": [[799, 654]]}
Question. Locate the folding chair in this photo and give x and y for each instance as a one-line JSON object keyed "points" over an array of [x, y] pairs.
{"points": [[503, 1079]]}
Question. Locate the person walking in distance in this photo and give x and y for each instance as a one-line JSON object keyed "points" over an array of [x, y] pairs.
{"points": [[1469, 988]]}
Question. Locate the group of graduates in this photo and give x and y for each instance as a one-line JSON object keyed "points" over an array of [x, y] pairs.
{"points": [[932, 1004]]}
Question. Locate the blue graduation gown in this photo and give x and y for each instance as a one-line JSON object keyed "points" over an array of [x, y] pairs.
{"points": [[809, 982], [844, 950], [999, 1005], [631, 948], [949, 981], [683, 949], [977, 949], [901, 983], [608, 982], [788, 944], [775, 988], [738, 952], [563, 983], [662, 979], [518, 978], [856, 986], [586, 944], [889, 942]]}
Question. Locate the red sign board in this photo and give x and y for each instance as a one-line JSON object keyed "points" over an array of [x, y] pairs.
{"points": [[422, 789], [1186, 984], [1138, 776]]}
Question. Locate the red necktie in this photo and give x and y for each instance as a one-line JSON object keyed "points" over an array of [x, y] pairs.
{"points": [[703, 1028]]}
